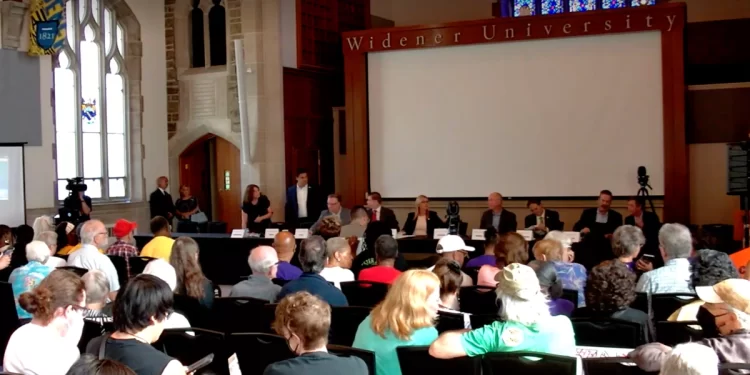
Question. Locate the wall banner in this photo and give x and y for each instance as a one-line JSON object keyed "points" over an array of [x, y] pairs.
{"points": [[47, 27]]}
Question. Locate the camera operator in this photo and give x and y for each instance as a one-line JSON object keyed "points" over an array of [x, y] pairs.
{"points": [[77, 200]]}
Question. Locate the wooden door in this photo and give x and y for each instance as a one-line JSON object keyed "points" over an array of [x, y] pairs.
{"points": [[228, 189], [196, 173]]}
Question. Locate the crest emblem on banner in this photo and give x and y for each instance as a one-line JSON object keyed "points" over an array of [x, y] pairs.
{"points": [[47, 27]]}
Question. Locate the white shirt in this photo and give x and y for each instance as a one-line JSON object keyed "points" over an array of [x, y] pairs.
{"points": [[337, 275], [164, 192], [90, 258], [55, 262], [37, 350], [302, 201]]}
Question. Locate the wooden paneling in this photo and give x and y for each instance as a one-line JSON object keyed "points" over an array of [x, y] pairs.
{"points": [[720, 115], [195, 172], [228, 200], [717, 52]]}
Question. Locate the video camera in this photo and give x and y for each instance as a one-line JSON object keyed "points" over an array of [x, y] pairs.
{"points": [[454, 220], [75, 185]]}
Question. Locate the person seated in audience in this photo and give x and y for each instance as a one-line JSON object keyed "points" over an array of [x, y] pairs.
{"points": [[690, 359], [724, 320], [356, 228], [42, 224], [284, 243], [627, 242], [541, 220], [49, 343], [191, 281], [24, 236], [97, 293], [263, 263], [404, 318], [123, 247], [329, 227], [559, 236], [186, 205], [304, 321], [502, 220], [526, 323], [75, 240], [379, 213], [676, 246], [491, 239], [596, 226], [366, 258], [50, 239], [552, 287], [386, 252], [449, 273], [88, 364], [139, 314], [454, 248], [423, 221], [67, 238], [511, 248], [161, 245], [572, 275], [93, 237], [25, 278], [338, 261], [649, 224], [335, 209], [256, 210], [6, 244], [708, 268], [312, 258], [609, 293], [163, 270]]}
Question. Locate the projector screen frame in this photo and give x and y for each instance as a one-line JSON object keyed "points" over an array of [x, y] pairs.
{"points": [[22, 145], [670, 19]]}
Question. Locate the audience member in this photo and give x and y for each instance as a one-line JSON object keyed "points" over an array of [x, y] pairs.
{"points": [[284, 243], [511, 248], [627, 242], [304, 321], [566, 242], [25, 278], [502, 220], [359, 222], [160, 202], [123, 247], [366, 258], [572, 275], [42, 224], [94, 236], [50, 239], [708, 268], [379, 213], [66, 237], [330, 227], [449, 273], [190, 279], [139, 314], [312, 258], [552, 287], [453, 247], [676, 245], [186, 205], [88, 364], [263, 264], [386, 252], [541, 220], [491, 238], [339, 261], [49, 343], [163, 270], [596, 226], [404, 318], [161, 245], [6, 238], [97, 290], [649, 224], [423, 221], [334, 208], [690, 359], [301, 201], [256, 210], [24, 236]]}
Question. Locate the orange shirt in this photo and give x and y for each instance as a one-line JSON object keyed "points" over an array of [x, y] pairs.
{"points": [[740, 259]]}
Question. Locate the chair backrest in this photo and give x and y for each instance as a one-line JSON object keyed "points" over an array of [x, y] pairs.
{"points": [[8, 316], [344, 323], [416, 360], [365, 355], [641, 302], [663, 305], [365, 294], [607, 332], [478, 300], [473, 273], [570, 295], [236, 314], [280, 282], [734, 366], [612, 366], [481, 320], [121, 266], [449, 321], [188, 345], [673, 333], [91, 330], [255, 351], [527, 363], [197, 314], [138, 264], [77, 270], [184, 226]]}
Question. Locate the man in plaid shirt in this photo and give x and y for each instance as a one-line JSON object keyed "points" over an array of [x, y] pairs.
{"points": [[123, 231]]}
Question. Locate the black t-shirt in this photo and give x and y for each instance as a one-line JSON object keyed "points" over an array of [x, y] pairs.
{"points": [[318, 363], [186, 205], [73, 203], [142, 358], [255, 210]]}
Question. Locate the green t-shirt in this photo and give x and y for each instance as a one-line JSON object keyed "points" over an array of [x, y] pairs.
{"points": [[554, 335], [386, 358]]}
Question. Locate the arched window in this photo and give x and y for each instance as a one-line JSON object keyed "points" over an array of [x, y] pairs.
{"points": [[91, 102], [552, 6], [582, 5], [198, 53], [217, 33]]}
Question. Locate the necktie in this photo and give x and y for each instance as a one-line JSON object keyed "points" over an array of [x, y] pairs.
{"points": [[374, 215]]}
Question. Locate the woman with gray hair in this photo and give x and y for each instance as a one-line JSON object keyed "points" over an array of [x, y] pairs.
{"points": [[97, 289], [25, 278], [626, 244], [50, 238]]}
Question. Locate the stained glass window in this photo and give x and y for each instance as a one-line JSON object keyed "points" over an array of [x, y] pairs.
{"points": [[637, 3], [552, 6], [524, 8], [582, 5], [91, 101], [612, 4]]}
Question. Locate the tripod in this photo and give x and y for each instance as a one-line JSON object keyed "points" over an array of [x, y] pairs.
{"points": [[643, 192]]}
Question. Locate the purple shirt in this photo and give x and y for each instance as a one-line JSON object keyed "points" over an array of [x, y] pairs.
{"points": [[482, 260], [561, 307], [287, 271]]}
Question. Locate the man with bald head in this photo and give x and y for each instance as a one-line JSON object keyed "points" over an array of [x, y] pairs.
{"points": [[94, 237], [263, 263], [285, 244], [160, 202], [502, 220]]}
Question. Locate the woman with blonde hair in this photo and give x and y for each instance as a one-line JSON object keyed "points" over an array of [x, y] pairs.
{"points": [[191, 281], [422, 222], [406, 317], [572, 275]]}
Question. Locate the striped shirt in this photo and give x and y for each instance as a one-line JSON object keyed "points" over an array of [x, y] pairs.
{"points": [[674, 277]]}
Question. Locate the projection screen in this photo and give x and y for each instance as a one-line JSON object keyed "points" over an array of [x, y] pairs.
{"points": [[12, 194]]}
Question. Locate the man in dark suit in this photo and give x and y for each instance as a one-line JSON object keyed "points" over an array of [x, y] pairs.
{"points": [[302, 202], [650, 224], [596, 226], [160, 201], [379, 213], [502, 220], [541, 220]]}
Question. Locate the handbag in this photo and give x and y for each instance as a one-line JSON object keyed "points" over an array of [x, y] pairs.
{"points": [[199, 218]]}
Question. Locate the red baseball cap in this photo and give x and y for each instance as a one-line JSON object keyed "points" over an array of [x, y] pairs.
{"points": [[123, 227]]}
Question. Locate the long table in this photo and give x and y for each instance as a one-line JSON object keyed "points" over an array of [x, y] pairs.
{"points": [[224, 259]]}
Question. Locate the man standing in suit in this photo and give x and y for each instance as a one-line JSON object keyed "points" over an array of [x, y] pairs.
{"points": [[541, 220], [650, 224], [301, 201], [502, 220], [597, 225], [334, 209], [379, 213], [160, 201]]}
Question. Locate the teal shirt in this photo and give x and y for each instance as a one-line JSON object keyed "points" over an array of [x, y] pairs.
{"points": [[386, 359], [24, 279], [554, 335]]}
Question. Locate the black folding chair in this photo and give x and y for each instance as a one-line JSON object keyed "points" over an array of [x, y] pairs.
{"points": [[255, 351], [481, 320], [607, 332], [188, 345], [237, 314], [448, 321], [527, 363], [365, 355], [8, 317], [478, 300], [571, 295], [366, 294], [664, 305], [197, 314], [76, 270], [138, 264], [344, 323], [121, 266], [641, 302], [416, 360], [673, 333], [612, 366]]}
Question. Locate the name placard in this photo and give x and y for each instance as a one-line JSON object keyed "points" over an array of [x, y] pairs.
{"points": [[478, 234], [301, 233], [394, 233], [573, 237], [238, 233], [271, 232], [440, 233], [528, 235]]}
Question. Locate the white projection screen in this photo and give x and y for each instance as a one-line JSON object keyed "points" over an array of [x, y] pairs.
{"points": [[12, 195], [545, 118]]}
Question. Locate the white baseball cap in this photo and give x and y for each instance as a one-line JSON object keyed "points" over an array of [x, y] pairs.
{"points": [[451, 243]]}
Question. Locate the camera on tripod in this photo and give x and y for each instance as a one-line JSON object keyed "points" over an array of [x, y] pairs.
{"points": [[643, 191], [454, 220], [75, 185]]}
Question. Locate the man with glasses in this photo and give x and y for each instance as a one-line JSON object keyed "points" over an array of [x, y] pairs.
{"points": [[264, 263], [453, 247], [334, 209], [93, 237]]}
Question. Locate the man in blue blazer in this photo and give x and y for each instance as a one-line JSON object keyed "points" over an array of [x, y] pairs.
{"points": [[334, 209], [302, 202]]}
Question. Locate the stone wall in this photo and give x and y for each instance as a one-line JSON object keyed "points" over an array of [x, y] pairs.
{"points": [[234, 22], [173, 85]]}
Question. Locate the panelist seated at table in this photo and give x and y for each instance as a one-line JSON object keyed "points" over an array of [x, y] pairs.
{"points": [[334, 209], [256, 210], [601, 220], [649, 224], [302, 201], [356, 228], [422, 222], [541, 219], [379, 213], [502, 220]]}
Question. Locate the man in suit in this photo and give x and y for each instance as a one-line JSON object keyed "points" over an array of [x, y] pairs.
{"points": [[650, 224], [597, 225], [541, 220], [334, 209], [160, 201], [502, 220], [301, 201], [379, 213]]}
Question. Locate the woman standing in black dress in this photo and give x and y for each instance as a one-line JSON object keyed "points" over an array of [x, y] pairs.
{"points": [[256, 210]]}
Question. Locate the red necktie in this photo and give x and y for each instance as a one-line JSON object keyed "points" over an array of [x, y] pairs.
{"points": [[374, 215]]}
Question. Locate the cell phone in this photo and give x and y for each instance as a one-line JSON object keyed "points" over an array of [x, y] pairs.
{"points": [[648, 258], [203, 362]]}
